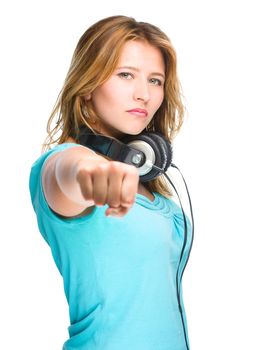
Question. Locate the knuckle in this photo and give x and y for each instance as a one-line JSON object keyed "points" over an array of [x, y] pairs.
{"points": [[100, 168], [82, 177], [83, 172], [115, 166]]}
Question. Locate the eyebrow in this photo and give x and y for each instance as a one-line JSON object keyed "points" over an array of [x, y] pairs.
{"points": [[137, 70]]}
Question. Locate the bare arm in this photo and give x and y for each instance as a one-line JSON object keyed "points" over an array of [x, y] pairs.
{"points": [[77, 178], [61, 188]]}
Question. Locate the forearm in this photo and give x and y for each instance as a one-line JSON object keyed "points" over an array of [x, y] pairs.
{"points": [[67, 166]]}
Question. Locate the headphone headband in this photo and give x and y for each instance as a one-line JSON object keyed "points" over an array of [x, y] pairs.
{"points": [[112, 148]]}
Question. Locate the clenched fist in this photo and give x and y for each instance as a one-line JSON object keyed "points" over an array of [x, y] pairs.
{"points": [[109, 182]]}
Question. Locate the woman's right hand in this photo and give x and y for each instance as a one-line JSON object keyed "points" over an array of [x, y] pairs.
{"points": [[108, 182]]}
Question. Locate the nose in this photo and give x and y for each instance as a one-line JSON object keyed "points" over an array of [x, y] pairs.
{"points": [[141, 91]]}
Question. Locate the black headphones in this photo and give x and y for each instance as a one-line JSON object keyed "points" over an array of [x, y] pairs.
{"points": [[152, 154]]}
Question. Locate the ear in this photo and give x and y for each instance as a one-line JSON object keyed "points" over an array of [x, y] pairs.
{"points": [[87, 97]]}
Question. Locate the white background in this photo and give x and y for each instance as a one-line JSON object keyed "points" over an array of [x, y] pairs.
{"points": [[214, 41]]}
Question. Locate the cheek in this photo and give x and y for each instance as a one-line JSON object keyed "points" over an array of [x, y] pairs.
{"points": [[159, 98], [101, 97], [119, 94], [110, 92]]}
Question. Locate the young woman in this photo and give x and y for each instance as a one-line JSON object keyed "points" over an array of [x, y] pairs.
{"points": [[115, 239]]}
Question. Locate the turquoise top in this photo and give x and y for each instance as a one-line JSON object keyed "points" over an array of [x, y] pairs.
{"points": [[119, 274]]}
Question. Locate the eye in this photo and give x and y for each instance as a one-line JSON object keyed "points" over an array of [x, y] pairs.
{"points": [[128, 76], [156, 81], [124, 75]]}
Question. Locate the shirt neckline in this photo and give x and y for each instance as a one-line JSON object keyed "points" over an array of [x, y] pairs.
{"points": [[160, 204]]}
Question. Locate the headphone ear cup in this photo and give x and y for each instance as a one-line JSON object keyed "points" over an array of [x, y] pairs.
{"points": [[158, 156], [165, 146]]}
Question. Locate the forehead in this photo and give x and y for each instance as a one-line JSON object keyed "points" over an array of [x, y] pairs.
{"points": [[139, 53]]}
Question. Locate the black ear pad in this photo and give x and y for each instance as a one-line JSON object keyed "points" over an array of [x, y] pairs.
{"points": [[166, 147], [158, 155]]}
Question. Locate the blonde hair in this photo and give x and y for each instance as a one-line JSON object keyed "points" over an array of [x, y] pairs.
{"points": [[94, 60]]}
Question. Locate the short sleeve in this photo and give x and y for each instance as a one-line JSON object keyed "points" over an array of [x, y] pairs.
{"points": [[179, 227], [178, 219]]}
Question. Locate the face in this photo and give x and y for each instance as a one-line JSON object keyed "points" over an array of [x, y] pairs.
{"points": [[139, 85]]}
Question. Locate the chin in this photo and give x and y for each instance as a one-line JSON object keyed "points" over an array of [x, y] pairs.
{"points": [[133, 131]]}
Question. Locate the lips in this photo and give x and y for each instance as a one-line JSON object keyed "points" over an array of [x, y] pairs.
{"points": [[138, 111]]}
